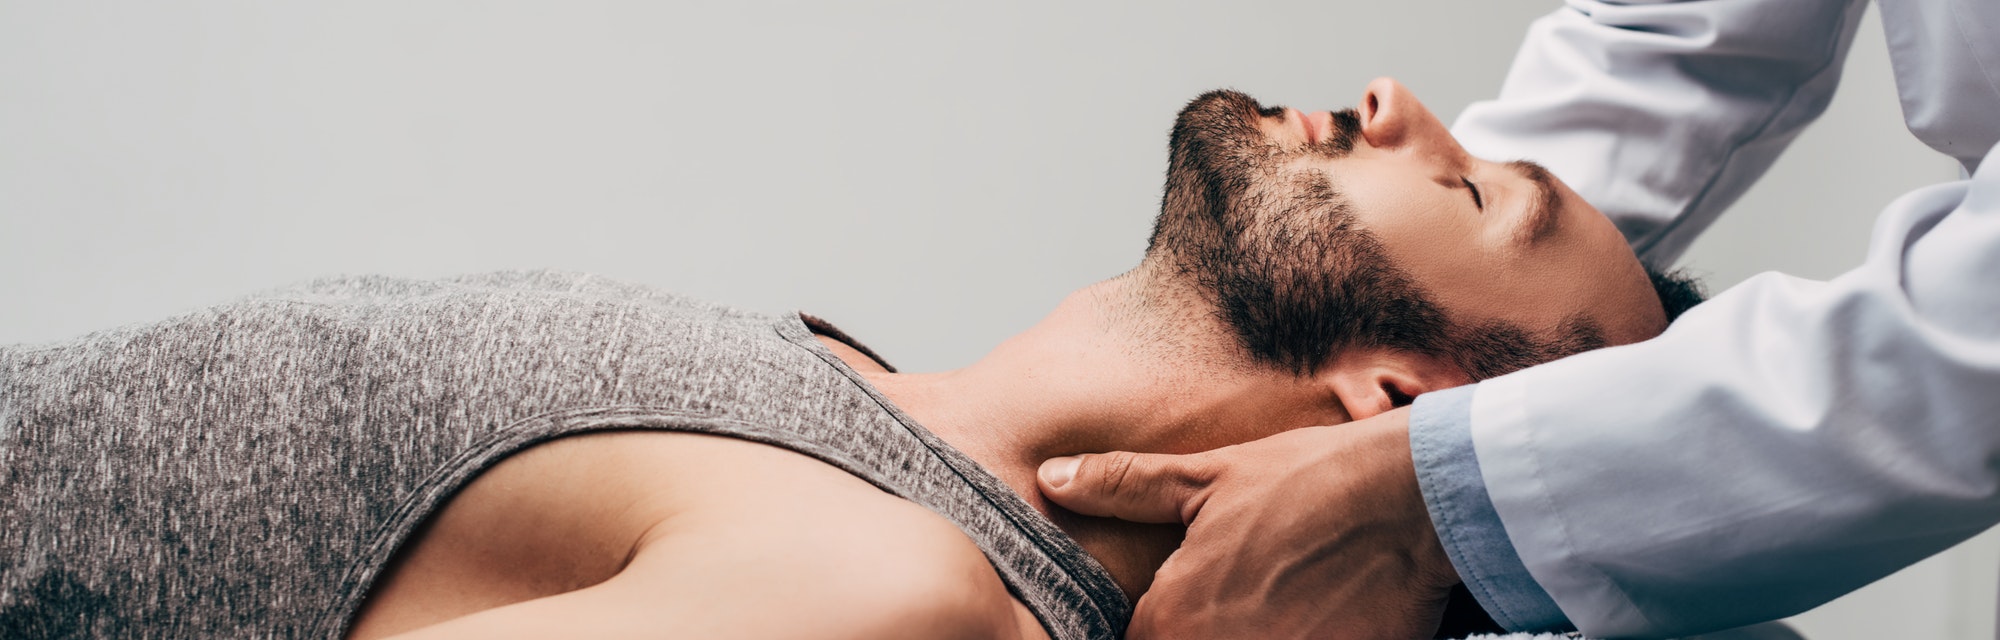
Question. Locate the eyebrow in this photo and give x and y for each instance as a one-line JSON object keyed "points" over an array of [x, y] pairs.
{"points": [[1541, 219]]}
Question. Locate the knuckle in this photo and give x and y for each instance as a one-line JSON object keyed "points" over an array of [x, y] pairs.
{"points": [[1116, 472], [1191, 507], [1199, 479], [1203, 469]]}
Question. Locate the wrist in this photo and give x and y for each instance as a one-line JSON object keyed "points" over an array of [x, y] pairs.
{"points": [[1394, 476]]}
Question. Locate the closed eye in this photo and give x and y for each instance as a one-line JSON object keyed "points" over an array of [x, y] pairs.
{"points": [[1477, 201]]}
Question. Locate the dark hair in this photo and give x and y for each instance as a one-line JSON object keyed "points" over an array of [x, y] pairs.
{"points": [[1678, 290]]}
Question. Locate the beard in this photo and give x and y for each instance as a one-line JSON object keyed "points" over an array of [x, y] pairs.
{"points": [[1276, 248]]}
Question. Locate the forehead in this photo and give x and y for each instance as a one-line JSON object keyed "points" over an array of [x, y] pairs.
{"points": [[1492, 264]]}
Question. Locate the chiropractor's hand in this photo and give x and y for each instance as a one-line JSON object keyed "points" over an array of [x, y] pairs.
{"points": [[1318, 532]]}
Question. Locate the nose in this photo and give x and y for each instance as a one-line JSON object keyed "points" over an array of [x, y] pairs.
{"points": [[1393, 118]]}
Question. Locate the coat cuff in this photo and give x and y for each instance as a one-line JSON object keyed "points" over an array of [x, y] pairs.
{"points": [[1463, 514]]}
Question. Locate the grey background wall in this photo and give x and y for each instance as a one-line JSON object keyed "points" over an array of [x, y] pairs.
{"points": [[933, 176]]}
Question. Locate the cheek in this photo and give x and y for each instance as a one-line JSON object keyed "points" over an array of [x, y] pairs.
{"points": [[1422, 230], [1431, 232], [1403, 203]]}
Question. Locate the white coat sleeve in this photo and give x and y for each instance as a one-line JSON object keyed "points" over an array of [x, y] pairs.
{"points": [[1663, 113], [1782, 444]]}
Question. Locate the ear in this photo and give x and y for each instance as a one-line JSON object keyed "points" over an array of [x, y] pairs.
{"points": [[1375, 380]]}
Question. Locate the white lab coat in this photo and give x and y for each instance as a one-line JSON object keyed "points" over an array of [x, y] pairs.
{"points": [[1790, 440]]}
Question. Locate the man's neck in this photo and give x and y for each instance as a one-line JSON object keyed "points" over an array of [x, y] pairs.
{"points": [[1083, 381]]}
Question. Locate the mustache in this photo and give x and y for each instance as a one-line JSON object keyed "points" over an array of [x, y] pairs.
{"points": [[1225, 175], [1225, 123]]}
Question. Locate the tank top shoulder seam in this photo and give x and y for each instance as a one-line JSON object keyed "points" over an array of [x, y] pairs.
{"points": [[1042, 533]]}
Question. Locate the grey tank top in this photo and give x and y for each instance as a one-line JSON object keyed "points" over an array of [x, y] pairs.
{"points": [[249, 470]]}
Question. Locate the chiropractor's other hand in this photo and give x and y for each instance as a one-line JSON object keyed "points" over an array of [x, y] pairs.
{"points": [[1318, 532]]}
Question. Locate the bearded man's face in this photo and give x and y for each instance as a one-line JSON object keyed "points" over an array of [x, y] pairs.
{"points": [[1312, 233]]}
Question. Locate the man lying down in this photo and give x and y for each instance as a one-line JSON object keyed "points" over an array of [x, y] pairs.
{"points": [[549, 455]]}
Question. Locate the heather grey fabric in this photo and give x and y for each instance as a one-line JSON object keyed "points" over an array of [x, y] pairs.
{"points": [[248, 470]]}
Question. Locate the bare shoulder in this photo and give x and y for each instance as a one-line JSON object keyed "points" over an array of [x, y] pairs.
{"points": [[753, 541]]}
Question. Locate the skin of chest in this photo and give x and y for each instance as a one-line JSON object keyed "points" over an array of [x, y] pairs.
{"points": [[746, 529]]}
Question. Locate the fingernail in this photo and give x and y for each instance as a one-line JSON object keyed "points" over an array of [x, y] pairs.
{"points": [[1059, 471]]}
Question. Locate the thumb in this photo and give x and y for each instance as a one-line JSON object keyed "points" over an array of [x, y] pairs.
{"points": [[1139, 487]]}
